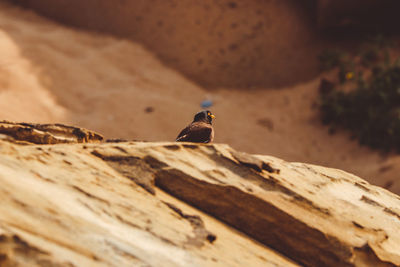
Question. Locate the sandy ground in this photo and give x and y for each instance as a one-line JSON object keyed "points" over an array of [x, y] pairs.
{"points": [[213, 42], [51, 73]]}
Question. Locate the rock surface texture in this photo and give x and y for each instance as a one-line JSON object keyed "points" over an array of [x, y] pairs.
{"points": [[170, 204], [33, 133]]}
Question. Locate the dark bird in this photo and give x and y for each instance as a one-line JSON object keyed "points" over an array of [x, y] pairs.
{"points": [[200, 130]]}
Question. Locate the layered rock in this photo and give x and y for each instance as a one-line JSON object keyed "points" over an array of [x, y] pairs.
{"points": [[170, 204], [34, 133]]}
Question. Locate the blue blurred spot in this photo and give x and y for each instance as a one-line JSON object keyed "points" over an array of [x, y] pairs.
{"points": [[206, 104]]}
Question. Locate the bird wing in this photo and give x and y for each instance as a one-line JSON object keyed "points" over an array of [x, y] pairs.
{"points": [[182, 133], [196, 132]]}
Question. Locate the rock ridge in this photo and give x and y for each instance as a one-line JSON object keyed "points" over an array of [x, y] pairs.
{"points": [[184, 204]]}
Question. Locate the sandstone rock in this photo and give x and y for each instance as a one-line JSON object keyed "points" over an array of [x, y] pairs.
{"points": [[169, 204], [25, 133], [63, 206]]}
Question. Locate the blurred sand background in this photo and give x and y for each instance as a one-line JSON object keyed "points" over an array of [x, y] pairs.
{"points": [[54, 73]]}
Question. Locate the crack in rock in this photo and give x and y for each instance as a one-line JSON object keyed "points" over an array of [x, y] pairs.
{"points": [[199, 230]]}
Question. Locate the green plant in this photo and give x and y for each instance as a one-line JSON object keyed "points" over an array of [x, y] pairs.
{"points": [[371, 111], [330, 59], [369, 56]]}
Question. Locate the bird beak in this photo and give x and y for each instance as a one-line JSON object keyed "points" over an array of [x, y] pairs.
{"points": [[212, 116]]}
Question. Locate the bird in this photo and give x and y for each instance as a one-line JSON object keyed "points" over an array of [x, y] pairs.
{"points": [[200, 130]]}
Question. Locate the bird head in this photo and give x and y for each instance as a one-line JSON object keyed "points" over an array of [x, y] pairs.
{"points": [[205, 116]]}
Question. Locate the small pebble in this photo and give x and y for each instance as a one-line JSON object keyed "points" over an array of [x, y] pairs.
{"points": [[149, 109]]}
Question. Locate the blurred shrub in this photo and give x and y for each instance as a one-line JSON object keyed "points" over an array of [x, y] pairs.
{"points": [[330, 59], [370, 110]]}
